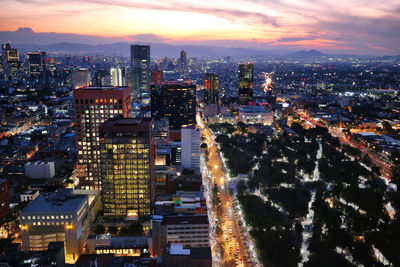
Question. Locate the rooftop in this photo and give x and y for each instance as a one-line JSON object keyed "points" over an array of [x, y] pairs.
{"points": [[55, 202]]}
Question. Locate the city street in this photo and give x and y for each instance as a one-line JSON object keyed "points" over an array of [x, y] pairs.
{"points": [[231, 238]]}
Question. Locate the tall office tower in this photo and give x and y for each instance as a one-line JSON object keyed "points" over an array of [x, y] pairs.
{"points": [[100, 77], [190, 147], [118, 76], [127, 166], [36, 62], [10, 58], [140, 67], [176, 101], [211, 87], [157, 76], [92, 107], [80, 78], [50, 68], [246, 74], [183, 60]]}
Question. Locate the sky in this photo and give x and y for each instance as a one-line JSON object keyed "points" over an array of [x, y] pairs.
{"points": [[340, 26]]}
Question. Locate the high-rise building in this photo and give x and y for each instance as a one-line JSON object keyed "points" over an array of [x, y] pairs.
{"points": [[92, 107], [140, 67], [183, 60], [4, 200], [246, 76], [80, 78], [36, 63], [157, 76], [211, 87], [101, 76], [10, 58], [176, 101], [118, 76], [191, 147], [127, 166]]}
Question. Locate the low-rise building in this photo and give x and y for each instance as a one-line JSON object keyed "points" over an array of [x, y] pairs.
{"points": [[178, 256], [256, 115], [29, 195], [40, 170], [61, 216], [188, 230]]}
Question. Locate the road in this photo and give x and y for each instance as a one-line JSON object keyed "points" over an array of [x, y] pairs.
{"points": [[231, 239]]}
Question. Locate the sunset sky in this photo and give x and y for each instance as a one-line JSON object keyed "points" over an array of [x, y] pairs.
{"points": [[350, 26]]}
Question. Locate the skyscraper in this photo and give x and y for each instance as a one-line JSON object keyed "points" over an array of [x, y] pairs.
{"points": [[36, 63], [183, 61], [10, 58], [211, 87], [127, 167], [92, 107], [140, 67], [80, 78], [118, 76], [176, 101], [246, 74]]}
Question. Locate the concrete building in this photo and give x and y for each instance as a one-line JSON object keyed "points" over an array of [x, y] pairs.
{"points": [[80, 78], [256, 115], [188, 230], [228, 118], [135, 246], [92, 107], [40, 170], [191, 147], [61, 216], [178, 256], [127, 167], [29, 195]]}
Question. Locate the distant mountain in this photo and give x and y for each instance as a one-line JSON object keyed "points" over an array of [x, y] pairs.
{"points": [[157, 49], [305, 54]]}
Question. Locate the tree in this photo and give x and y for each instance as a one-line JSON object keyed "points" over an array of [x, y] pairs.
{"points": [[99, 229], [112, 230], [135, 228]]}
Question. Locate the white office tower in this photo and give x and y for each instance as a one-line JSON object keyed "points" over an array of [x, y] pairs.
{"points": [[118, 76], [190, 147]]}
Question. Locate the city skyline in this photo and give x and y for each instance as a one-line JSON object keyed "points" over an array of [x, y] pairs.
{"points": [[348, 27]]}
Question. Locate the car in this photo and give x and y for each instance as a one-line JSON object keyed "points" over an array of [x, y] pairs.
{"points": [[230, 245]]}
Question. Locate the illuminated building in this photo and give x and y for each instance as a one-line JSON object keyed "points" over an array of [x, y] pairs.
{"points": [[62, 216], [92, 107], [4, 199], [191, 147], [80, 78], [183, 61], [36, 63], [10, 58], [157, 76], [189, 230], [246, 75], [127, 167], [118, 76], [140, 67], [256, 115], [211, 87], [175, 101]]}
